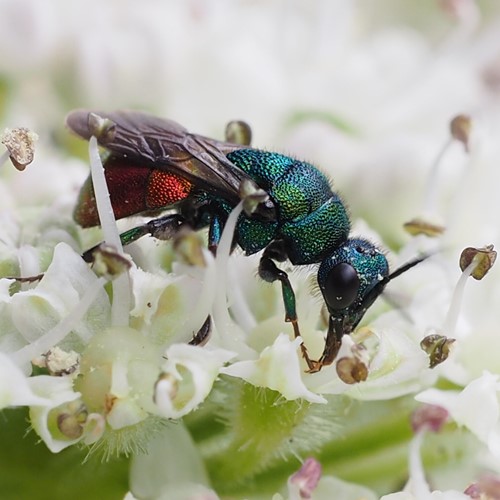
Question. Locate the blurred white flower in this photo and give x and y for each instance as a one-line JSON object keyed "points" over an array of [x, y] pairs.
{"points": [[417, 487], [15, 387], [462, 406]]}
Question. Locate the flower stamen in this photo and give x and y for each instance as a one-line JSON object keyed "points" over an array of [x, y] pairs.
{"points": [[473, 262], [121, 286], [428, 223]]}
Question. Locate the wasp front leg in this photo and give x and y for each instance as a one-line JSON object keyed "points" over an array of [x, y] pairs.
{"points": [[270, 272], [333, 342]]}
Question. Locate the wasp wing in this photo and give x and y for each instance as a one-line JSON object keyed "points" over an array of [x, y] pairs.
{"points": [[163, 144]]}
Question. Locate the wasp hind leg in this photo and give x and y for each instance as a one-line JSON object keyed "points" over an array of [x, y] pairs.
{"points": [[270, 272]]}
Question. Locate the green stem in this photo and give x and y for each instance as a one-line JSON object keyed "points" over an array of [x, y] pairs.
{"points": [[257, 444], [370, 448]]}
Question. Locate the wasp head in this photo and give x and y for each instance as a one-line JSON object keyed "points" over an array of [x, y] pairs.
{"points": [[351, 279]]}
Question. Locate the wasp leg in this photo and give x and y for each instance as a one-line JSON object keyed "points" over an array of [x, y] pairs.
{"points": [[203, 334], [333, 343], [215, 233], [27, 279], [217, 224], [163, 228], [270, 272]]}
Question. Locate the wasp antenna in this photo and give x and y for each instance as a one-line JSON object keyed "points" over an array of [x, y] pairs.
{"points": [[405, 267]]}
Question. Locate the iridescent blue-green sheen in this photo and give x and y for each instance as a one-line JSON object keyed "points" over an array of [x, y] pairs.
{"points": [[312, 220], [369, 262]]}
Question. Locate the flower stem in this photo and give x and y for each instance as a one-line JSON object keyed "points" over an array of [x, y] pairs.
{"points": [[257, 452]]}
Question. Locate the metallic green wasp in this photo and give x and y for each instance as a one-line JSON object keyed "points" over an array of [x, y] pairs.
{"points": [[157, 164]]}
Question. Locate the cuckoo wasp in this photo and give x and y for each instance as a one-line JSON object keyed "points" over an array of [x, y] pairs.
{"points": [[156, 164]]}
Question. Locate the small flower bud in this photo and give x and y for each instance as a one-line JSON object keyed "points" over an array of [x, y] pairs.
{"points": [[429, 417], [306, 479], [238, 132], [473, 491], [487, 488]]}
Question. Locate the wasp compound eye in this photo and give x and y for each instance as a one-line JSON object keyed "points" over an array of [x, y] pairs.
{"points": [[341, 286]]}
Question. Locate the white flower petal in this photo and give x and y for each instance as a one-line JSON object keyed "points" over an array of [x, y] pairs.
{"points": [[417, 487], [481, 394], [278, 368], [65, 282], [94, 428], [15, 388], [400, 367], [120, 365], [125, 412], [147, 289], [343, 490], [58, 390], [401, 495], [171, 465], [435, 495], [5, 284], [187, 378]]}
